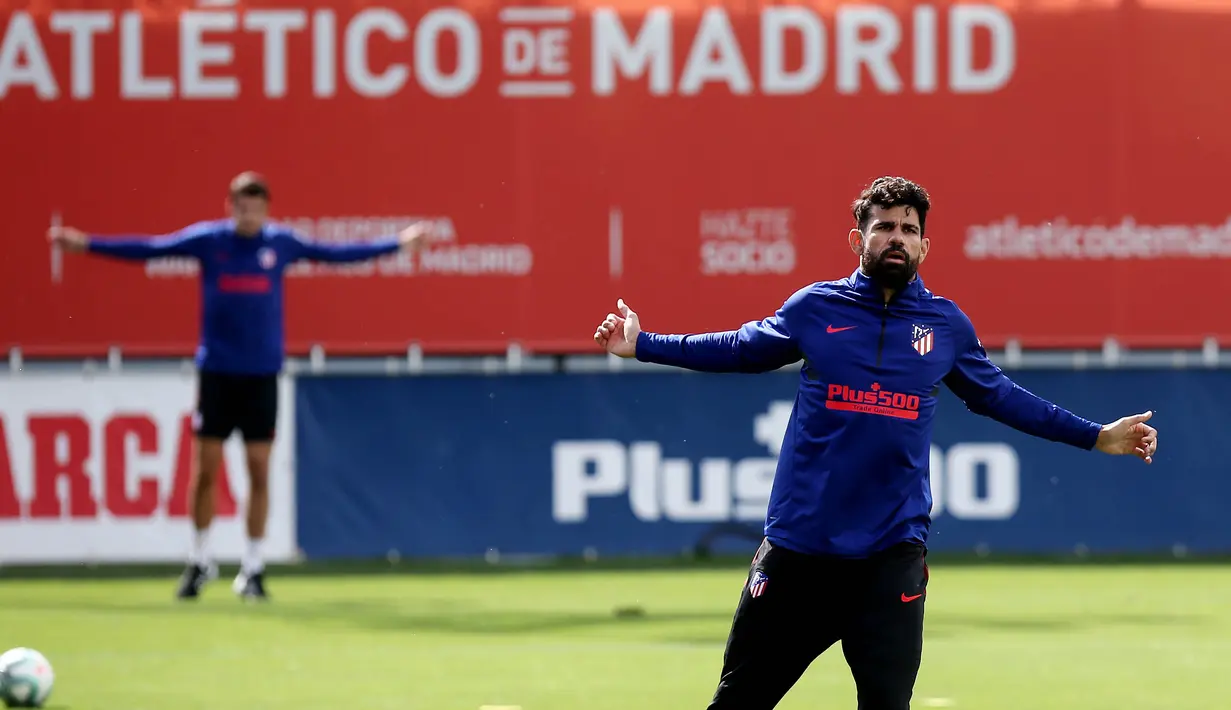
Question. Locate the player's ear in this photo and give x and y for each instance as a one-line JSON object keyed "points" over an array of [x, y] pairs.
{"points": [[924, 245], [856, 240]]}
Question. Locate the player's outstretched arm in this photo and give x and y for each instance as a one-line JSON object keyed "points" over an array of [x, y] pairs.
{"points": [[413, 237], [186, 242], [759, 346], [986, 390]]}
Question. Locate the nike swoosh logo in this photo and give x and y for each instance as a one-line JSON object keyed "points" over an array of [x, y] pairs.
{"points": [[832, 329], [910, 599]]}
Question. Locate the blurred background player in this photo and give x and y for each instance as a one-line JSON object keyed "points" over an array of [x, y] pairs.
{"points": [[243, 260], [849, 514]]}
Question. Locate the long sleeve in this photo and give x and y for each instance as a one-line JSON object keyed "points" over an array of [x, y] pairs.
{"points": [[758, 346], [186, 242], [987, 391], [303, 248]]}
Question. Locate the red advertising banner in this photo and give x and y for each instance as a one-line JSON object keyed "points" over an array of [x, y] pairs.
{"points": [[697, 160]]}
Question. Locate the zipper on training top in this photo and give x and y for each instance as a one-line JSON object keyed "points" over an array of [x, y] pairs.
{"points": [[880, 345]]}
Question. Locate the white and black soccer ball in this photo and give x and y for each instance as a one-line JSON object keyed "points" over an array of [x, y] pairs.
{"points": [[25, 678]]}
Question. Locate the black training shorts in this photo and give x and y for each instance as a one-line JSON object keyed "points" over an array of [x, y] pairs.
{"points": [[796, 606], [227, 402]]}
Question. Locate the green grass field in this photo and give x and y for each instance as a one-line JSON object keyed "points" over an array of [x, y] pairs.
{"points": [[1002, 638]]}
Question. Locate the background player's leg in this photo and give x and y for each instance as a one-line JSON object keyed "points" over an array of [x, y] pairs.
{"points": [[883, 640], [202, 495], [259, 420], [776, 634], [258, 453], [213, 423]]}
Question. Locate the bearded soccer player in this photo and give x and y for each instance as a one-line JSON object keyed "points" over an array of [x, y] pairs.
{"points": [[241, 351], [843, 557]]}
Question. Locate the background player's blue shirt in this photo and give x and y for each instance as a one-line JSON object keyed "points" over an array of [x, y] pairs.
{"points": [[853, 475], [242, 325]]}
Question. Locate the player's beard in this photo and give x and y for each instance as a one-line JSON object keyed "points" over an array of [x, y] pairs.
{"points": [[888, 274]]}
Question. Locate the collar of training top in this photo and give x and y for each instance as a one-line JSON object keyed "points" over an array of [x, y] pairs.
{"points": [[864, 285], [263, 232]]}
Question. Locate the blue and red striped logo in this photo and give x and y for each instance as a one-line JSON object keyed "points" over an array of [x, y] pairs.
{"points": [[757, 586]]}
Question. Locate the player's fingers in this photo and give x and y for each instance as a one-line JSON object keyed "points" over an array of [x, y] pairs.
{"points": [[624, 309], [1139, 418]]}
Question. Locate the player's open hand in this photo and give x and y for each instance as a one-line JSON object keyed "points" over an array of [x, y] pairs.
{"points": [[68, 238], [1129, 435], [416, 236], [618, 333]]}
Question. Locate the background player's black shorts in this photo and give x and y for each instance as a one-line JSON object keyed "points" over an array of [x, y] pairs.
{"points": [[794, 607], [227, 402]]}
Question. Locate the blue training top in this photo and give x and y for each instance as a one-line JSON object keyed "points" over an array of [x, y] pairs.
{"points": [[242, 328], [852, 476]]}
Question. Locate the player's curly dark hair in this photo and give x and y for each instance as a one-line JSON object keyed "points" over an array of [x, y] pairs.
{"points": [[886, 192]]}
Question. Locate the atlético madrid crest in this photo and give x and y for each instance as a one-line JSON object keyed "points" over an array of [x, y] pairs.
{"points": [[267, 257], [756, 587], [922, 339]]}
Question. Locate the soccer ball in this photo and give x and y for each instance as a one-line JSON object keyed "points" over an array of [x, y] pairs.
{"points": [[25, 678]]}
